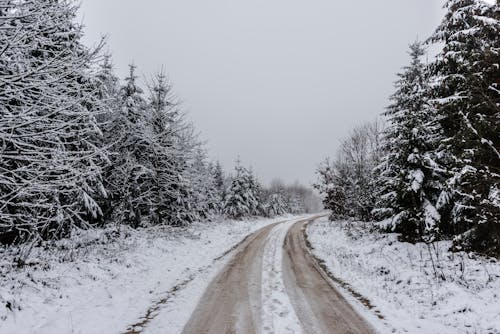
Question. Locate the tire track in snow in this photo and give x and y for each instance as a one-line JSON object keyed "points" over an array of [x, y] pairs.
{"points": [[278, 314]]}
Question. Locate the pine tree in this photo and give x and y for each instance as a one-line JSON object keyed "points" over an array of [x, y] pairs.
{"points": [[409, 184], [220, 181], [171, 142], [242, 197], [108, 90], [206, 195], [276, 205], [125, 133], [467, 99], [50, 165], [329, 185]]}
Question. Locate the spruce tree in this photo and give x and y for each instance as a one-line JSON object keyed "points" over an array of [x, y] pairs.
{"points": [[171, 142], [220, 181], [409, 183], [467, 99], [206, 197], [50, 165], [128, 172], [241, 200], [276, 205]]}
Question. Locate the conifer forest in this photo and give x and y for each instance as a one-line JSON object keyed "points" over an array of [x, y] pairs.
{"points": [[120, 212]]}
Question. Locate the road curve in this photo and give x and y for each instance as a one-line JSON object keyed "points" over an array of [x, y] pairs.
{"points": [[232, 302], [318, 304]]}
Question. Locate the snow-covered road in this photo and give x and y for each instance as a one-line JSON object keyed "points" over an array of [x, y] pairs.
{"points": [[107, 281], [265, 290]]}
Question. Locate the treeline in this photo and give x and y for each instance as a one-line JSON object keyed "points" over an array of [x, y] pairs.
{"points": [[433, 172], [244, 196], [81, 148]]}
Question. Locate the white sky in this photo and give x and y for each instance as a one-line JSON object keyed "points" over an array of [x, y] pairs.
{"points": [[278, 82]]}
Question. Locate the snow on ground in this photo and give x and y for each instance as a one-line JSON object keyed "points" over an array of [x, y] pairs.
{"points": [[102, 281], [417, 288], [278, 314]]}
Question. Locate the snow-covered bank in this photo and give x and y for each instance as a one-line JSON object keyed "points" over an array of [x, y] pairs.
{"points": [[417, 288], [110, 280]]}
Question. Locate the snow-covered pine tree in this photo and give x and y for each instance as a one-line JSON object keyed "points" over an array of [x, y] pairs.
{"points": [[108, 89], [241, 199], [171, 142], [467, 99], [276, 198], [127, 175], [220, 182], [206, 197], [258, 192], [276, 205], [328, 185], [409, 185], [50, 166]]}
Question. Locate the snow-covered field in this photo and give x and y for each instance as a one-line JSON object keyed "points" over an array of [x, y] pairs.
{"points": [[104, 281], [416, 288]]}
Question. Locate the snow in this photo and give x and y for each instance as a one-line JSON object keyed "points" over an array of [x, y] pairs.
{"points": [[112, 277], [416, 288], [416, 178], [278, 315]]}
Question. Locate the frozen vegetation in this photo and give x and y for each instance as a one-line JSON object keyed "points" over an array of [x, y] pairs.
{"points": [[415, 288], [104, 281]]}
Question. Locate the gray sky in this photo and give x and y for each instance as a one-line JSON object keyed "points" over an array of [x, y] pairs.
{"points": [[278, 82]]}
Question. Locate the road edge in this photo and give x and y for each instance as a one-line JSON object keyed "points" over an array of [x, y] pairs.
{"points": [[359, 302]]}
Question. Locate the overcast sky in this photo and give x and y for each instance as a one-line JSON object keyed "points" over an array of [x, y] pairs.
{"points": [[278, 82]]}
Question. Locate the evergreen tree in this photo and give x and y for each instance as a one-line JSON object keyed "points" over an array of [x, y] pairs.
{"points": [[330, 186], [126, 177], [467, 100], [242, 197], [206, 194], [276, 205], [171, 144], [409, 186], [50, 166], [108, 89], [220, 181]]}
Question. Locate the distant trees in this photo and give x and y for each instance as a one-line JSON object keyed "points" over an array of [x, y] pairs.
{"points": [[246, 197], [242, 199], [81, 148], [349, 182], [293, 198], [439, 170]]}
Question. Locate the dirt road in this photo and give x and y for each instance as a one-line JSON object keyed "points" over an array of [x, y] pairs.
{"points": [[272, 284]]}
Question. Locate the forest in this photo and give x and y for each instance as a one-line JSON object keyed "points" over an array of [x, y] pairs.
{"points": [[82, 148], [115, 217], [429, 169]]}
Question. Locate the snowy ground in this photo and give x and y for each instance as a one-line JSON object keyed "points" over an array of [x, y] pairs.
{"points": [[278, 314], [111, 281], [416, 288]]}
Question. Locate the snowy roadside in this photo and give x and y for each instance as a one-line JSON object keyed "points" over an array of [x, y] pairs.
{"points": [[416, 288], [108, 282]]}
